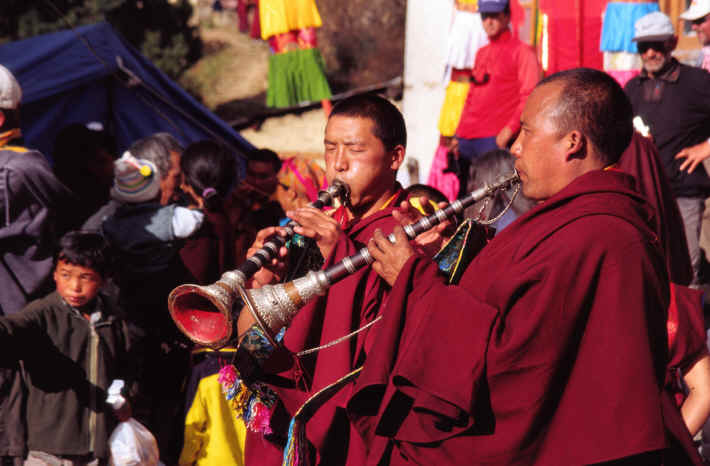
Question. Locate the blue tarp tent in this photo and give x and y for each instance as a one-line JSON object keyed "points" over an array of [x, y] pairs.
{"points": [[93, 74]]}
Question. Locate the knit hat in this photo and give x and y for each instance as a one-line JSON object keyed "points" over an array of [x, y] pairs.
{"points": [[697, 10], [10, 90], [134, 180], [653, 27]]}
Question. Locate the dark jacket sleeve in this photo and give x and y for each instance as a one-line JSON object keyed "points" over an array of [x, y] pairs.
{"points": [[16, 331], [30, 205]]}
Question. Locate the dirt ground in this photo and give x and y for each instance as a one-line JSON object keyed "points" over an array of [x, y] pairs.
{"points": [[231, 79], [290, 133]]}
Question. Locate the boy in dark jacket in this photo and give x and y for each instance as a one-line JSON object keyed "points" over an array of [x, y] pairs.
{"points": [[73, 343]]}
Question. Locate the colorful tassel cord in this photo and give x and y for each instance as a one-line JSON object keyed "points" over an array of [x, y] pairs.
{"points": [[254, 404], [295, 453]]}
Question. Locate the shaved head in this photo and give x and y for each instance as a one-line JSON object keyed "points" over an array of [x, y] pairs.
{"points": [[592, 102]]}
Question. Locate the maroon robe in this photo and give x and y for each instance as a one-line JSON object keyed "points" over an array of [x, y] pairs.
{"points": [[641, 161], [347, 306], [686, 331], [551, 350]]}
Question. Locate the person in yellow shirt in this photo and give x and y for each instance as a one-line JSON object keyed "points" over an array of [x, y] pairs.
{"points": [[213, 433]]}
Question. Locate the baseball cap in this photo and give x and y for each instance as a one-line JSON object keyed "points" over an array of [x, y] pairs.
{"points": [[653, 27], [491, 6], [10, 90], [697, 10]]}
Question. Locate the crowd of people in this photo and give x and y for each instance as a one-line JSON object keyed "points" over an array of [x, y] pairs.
{"points": [[572, 333], [91, 247]]}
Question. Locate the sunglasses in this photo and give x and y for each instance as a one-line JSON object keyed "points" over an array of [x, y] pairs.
{"points": [[699, 21], [658, 46]]}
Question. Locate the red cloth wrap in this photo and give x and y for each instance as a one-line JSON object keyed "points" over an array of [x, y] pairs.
{"points": [[686, 327], [686, 337]]}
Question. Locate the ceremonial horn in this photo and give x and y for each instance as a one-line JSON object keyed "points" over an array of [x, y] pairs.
{"points": [[204, 313], [274, 306]]}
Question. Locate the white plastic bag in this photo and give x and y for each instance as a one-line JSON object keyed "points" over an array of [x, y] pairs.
{"points": [[131, 444]]}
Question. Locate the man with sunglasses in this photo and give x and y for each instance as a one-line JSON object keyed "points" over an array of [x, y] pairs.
{"points": [[674, 101], [505, 72], [699, 16]]}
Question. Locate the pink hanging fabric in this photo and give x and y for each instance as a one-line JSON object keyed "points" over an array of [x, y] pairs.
{"points": [[447, 183]]}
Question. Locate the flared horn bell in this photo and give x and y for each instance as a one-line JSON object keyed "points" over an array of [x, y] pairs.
{"points": [[204, 313]]}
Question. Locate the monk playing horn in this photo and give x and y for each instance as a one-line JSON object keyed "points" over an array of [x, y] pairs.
{"points": [[552, 348], [365, 141]]}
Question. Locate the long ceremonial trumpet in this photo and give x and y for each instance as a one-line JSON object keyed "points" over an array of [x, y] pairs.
{"points": [[204, 313], [274, 306]]}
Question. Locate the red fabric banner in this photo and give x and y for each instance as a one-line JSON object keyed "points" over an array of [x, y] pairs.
{"points": [[577, 22]]}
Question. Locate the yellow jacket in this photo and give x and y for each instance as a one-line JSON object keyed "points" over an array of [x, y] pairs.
{"points": [[213, 434]]}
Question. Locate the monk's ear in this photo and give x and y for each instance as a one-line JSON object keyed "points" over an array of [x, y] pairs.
{"points": [[575, 145], [397, 157], [2, 118]]}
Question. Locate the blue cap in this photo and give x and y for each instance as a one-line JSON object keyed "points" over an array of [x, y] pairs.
{"points": [[492, 6]]}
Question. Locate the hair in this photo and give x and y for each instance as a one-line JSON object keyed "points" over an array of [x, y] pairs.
{"points": [[152, 149], [86, 249], [417, 190], [487, 170], [266, 155], [170, 143], [593, 103], [388, 121], [209, 169]]}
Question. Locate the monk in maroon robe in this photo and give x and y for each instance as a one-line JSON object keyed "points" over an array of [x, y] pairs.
{"points": [[364, 145], [552, 349]]}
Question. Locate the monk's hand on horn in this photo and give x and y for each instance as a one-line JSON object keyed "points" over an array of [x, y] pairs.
{"points": [[390, 257], [275, 270], [314, 223], [429, 242]]}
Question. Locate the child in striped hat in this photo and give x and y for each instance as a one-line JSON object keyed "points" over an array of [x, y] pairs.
{"points": [[144, 230]]}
